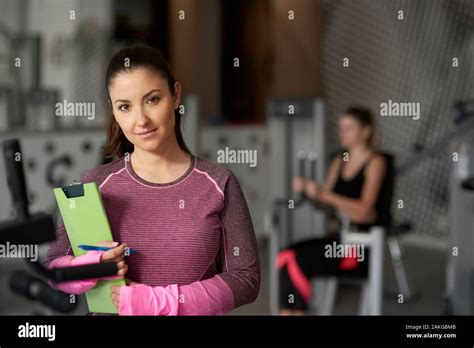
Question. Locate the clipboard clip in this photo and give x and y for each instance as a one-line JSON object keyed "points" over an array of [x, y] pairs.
{"points": [[73, 190]]}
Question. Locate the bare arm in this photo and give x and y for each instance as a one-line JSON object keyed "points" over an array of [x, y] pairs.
{"points": [[300, 184], [332, 174]]}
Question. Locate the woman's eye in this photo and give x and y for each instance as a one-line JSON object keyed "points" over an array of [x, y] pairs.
{"points": [[153, 100], [123, 107]]}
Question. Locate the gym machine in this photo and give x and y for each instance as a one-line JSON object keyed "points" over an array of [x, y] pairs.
{"points": [[27, 229], [459, 295]]}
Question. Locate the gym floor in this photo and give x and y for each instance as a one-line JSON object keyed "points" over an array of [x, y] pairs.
{"points": [[428, 278]]}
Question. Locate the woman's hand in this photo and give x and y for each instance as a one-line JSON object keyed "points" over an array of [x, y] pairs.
{"points": [[312, 190], [115, 295], [299, 184], [117, 255], [115, 292]]}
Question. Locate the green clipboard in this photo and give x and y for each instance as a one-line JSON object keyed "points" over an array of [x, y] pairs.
{"points": [[86, 222]]}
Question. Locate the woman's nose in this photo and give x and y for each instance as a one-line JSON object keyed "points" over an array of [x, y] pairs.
{"points": [[142, 118]]}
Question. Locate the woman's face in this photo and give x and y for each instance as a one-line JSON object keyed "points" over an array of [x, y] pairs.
{"points": [[351, 132], [143, 106]]}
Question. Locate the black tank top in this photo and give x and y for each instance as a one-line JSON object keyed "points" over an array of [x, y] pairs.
{"points": [[352, 188]]}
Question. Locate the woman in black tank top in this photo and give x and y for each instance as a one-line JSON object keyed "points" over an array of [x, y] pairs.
{"points": [[352, 187]]}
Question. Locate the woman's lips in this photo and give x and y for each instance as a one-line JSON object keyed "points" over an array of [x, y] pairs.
{"points": [[147, 134]]}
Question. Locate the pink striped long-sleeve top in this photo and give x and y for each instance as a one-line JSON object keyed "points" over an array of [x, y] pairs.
{"points": [[197, 251]]}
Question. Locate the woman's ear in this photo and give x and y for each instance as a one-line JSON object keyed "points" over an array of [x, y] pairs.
{"points": [[367, 132], [177, 94]]}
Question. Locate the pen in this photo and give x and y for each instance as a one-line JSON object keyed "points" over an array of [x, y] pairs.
{"points": [[100, 248]]}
